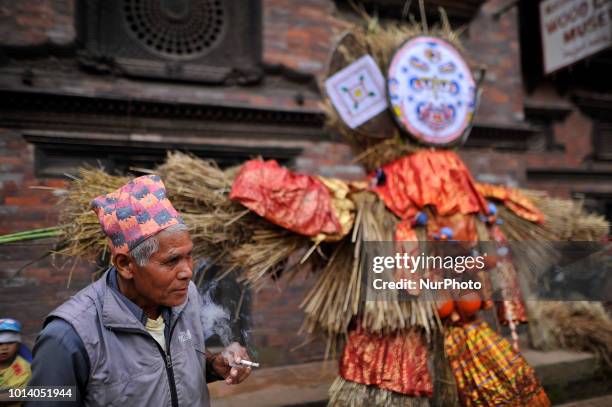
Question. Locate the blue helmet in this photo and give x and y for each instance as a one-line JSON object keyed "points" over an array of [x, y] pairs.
{"points": [[8, 324]]}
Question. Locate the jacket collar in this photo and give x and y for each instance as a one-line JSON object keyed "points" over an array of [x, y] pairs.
{"points": [[118, 311]]}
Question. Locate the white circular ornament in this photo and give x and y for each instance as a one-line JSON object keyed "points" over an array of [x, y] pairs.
{"points": [[431, 90]]}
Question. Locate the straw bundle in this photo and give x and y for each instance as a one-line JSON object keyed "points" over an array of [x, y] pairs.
{"points": [[534, 244], [337, 297], [344, 393], [80, 233], [265, 255], [445, 387], [564, 220], [387, 313], [573, 325], [579, 325], [333, 301], [223, 231], [567, 220]]}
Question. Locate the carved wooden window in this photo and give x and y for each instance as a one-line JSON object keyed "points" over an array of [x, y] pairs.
{"points": [[214, 41]]}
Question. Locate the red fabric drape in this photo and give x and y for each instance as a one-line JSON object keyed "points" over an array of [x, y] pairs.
{"points": [[300, 203], [430, 177], [514, 200], [395, 362]]}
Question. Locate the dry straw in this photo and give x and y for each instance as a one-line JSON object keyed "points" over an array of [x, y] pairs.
{"points": [[337, 298], [346, 393], [578, 325], [575, 325], [567, 220], [224, 232]]}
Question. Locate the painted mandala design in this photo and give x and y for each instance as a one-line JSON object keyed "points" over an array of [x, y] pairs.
{"points": [[431, 90]]}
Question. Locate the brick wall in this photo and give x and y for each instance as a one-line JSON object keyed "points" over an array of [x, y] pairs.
{"points": [[300, 34], [34, 292], [492, 43], [22, 206], [36, 22]]}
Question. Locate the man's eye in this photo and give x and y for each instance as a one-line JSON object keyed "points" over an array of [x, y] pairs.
{"points": [[172, 260]]}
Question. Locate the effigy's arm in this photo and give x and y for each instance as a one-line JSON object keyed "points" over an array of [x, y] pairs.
{"points": [[224, 232]]}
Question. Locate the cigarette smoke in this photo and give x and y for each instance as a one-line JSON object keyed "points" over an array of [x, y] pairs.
{"points": [[218, 319], [215, 318]]}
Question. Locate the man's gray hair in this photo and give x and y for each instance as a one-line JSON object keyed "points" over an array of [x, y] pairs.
{"points": [[147, 248]]}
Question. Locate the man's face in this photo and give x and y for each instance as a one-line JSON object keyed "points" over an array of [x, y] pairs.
{"points": [[8, 350], [164, 280]]}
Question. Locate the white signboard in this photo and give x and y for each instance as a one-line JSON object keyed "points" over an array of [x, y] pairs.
{"points": [[357, 91], [574, 29]]}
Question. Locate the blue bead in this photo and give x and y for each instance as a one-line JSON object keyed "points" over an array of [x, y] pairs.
{"points": [[492, 208], [447, 231], [421, 219]]}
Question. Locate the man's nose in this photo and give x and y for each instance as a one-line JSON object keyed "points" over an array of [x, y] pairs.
{"points": [[186, 271]]}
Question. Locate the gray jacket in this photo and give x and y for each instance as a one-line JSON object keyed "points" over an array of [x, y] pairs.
{"points": [[127, 366]]}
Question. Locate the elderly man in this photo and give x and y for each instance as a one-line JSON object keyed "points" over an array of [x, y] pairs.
{"points": [[135, 337]]}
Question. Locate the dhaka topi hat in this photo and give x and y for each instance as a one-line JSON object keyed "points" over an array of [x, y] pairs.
{"points": [[135, 212]]}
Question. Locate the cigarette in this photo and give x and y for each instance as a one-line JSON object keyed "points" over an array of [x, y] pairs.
{"points": [[248, 363]]}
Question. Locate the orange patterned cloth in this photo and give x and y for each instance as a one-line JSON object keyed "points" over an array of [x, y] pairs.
{"points": [[488, 371], [430, 177], [395, 362], [514, 200], [300, 203]]}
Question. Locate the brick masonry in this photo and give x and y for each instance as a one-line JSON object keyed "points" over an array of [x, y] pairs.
{"points": [[37, 23], [298, 34]]}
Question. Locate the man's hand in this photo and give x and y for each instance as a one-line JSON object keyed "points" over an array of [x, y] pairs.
{"points": [[227, 364]]}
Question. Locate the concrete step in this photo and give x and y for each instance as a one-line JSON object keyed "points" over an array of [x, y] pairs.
{"points": [[569, 375], [565, 375], [278, 386], [605, 401]]}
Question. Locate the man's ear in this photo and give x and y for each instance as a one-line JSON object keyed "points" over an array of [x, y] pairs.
{"points": [[125, 265]]}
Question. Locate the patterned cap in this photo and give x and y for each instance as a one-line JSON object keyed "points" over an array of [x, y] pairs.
{"points": [[135, 212], [10, 330]]}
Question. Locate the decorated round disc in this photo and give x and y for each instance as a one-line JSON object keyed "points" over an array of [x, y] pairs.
{"points": [[431, 90]]}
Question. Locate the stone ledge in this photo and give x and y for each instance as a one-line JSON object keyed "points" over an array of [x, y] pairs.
{"points": [[307, 384], [278, 386]]}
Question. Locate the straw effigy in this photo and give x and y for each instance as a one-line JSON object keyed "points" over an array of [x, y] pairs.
{"points": [[375, 144]]}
